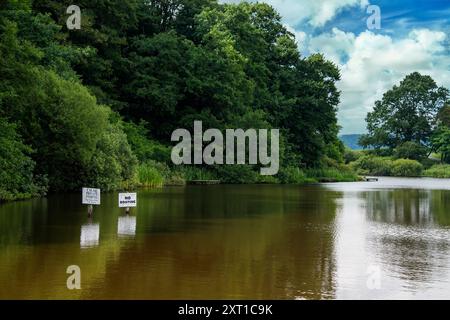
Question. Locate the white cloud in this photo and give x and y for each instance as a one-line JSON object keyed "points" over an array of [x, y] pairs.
{"points": [[336, 46], [314, 12], [300, 37], [371, 64]]}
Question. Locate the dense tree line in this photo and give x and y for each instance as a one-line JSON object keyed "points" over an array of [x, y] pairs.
{"points": [[86, 106]]}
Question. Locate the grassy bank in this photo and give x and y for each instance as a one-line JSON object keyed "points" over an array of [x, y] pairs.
{"points": [[385, 166], [154, 174], [332, 175], [438, 171], [368, 163]]}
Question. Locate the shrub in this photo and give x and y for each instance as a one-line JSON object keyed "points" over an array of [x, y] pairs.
{"points": [[75, 124], [293, 175], [438, 171], [196, 173], [144, 148], [351, 155], [406, 168], [237, 174], [335, 150], [113, 164], [332, 175], [376, 166], [381, 152], [428, 162], [150, 174], [327, 162], [175, 179], [379, 166], [267, 179], [73, 137], [410, 150]]}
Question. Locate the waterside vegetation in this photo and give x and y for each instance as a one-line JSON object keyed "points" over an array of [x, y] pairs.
{"points": [[96, 106]]}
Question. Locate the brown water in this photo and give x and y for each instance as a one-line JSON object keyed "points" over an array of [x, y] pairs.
{"points": [[386, 239]]}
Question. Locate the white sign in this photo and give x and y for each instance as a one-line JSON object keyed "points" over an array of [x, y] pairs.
{"points": [[91, 196], [127, 200]]}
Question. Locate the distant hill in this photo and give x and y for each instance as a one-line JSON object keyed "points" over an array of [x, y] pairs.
{"points": [[351, 141]]}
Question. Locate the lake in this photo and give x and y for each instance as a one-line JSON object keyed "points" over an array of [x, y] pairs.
{"points": [[367, 240]]}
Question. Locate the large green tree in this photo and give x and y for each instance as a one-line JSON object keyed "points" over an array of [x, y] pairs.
{"points": [[407, 113], [54, 113]]}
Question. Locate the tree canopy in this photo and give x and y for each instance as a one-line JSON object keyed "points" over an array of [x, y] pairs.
{"points": [[72, 98], [407, 113]]}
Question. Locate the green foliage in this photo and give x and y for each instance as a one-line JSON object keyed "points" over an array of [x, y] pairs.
{"points": [[382, 152], [156, 84], [87, 147], [444, 115], [16, 166], [340, 173], [335, 150], [113, 164], [344, 174], [175, 179], [311, 117], [382, 166], [106, 27], [190, 173], [150, 175], [144, 148], [411, 150], [351, 155], [406, 168], [159, 65], [428, 162], [239, 67], [293, 175], [155, 174], [267, 179], [441, 142], [407, 113], [75, 140], [438, 171], [369, 165], [235, 174]]}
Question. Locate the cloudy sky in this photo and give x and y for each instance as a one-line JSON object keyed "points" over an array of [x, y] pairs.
{"points": [[414, 36]]}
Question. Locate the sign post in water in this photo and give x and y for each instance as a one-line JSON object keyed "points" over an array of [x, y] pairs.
{"points": [[91, 197], [127, 201]]}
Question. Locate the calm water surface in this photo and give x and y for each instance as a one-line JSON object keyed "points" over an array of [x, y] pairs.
{"points": [[329, 241]]}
